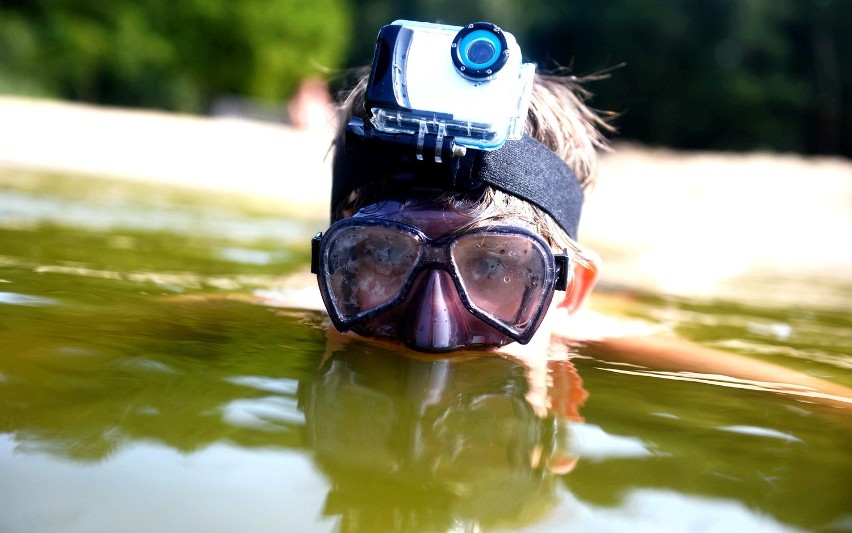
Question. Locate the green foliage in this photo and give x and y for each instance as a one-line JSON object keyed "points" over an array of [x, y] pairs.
{"points": [[172, 55], [724, 74], [717, 74]]}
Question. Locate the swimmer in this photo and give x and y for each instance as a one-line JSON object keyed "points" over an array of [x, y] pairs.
{"points": [[449, 238]]}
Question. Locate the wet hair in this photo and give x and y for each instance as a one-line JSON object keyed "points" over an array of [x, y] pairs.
{"points": [[558, 117]]}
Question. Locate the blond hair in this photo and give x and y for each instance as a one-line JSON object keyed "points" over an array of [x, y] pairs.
{"points": [[558, 117]]}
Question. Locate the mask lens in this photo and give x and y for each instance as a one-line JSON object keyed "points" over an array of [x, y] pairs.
{"points": [[503, 275], [368, 267]]}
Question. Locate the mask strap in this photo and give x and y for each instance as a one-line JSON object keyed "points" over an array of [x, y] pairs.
{"points": [[563, 267], [315, 252], [529, 170], [524, 168]]}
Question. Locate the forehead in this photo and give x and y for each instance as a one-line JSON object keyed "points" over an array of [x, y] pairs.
{"points": [[434, 219]]}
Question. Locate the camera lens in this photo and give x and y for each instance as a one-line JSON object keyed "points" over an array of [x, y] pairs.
{"points": [[479, 50]]}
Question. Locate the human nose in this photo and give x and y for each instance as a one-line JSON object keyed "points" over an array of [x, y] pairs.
{"points": [[434, 320]]}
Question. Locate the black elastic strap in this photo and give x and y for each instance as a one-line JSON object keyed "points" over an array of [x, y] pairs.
{"points": [[527, 169], [524, 168]]}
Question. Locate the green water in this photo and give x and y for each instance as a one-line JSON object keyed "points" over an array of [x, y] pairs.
{"points": [[138, 393]]}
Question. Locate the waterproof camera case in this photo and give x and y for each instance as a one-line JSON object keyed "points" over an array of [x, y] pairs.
{"points": [[466, 84]]}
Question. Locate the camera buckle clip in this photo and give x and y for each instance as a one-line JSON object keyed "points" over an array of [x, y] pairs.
{"points": [[444, 145]]}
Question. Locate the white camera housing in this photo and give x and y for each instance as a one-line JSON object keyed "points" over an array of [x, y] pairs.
{"points": [[468, 82]]}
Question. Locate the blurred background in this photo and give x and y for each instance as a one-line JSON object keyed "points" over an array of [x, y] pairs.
{"points": [[159, 362], [718, 75]]}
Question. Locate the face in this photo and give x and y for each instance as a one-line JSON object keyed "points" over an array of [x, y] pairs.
{"points": [[506, 277]]}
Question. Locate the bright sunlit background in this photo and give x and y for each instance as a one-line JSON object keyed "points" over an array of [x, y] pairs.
{"points": [[734, 119], [165, 363], [725, 74]]}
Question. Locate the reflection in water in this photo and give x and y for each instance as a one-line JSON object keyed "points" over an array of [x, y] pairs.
{"points": [[233, 416], [403, 443], [184, 372], [128, 402], [430, 444]]}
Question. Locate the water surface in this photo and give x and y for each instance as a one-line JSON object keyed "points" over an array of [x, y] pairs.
{"points": [[141, 391]]}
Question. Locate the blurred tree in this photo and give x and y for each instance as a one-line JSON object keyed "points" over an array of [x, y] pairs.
{"points": [[717, 74], [172, 55], [723, 74]]}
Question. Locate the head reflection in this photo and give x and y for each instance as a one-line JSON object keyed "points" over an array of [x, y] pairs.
{"points": [[412, 443]]}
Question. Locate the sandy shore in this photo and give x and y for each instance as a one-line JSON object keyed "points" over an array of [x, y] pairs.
{"points": [[694, 223], [227, 154]]}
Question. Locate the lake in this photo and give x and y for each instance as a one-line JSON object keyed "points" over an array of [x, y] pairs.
{"points": [[146, 386]]}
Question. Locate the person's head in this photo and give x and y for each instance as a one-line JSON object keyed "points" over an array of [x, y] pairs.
{"points": [[489, 275]]}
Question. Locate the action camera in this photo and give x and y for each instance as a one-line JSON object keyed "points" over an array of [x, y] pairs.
{"points": [[464, 82]]}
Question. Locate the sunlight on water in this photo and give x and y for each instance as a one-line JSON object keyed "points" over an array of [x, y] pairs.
{"points": [[142, 390], [11, 298]]}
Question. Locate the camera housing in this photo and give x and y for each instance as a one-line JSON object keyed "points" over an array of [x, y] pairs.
{"points": [[464, 82]]}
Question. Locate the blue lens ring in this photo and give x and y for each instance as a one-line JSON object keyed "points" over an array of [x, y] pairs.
{"points": [[479, 50]]}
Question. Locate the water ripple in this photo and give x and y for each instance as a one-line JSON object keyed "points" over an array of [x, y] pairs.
{"points": [[761, 432], [14, 298], [270, 413], [277, 385]]}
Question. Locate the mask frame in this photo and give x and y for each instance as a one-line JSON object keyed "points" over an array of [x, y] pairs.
{"points": [[556, 269]]}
